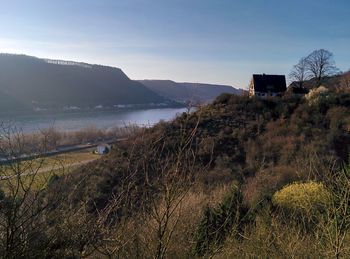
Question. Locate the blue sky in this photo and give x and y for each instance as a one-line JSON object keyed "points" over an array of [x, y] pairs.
{"points": [[213, 41]]}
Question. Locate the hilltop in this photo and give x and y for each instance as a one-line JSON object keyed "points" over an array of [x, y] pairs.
{"points": [[185, 92]]}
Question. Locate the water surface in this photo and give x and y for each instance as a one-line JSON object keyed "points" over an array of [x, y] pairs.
{"points": [[77, 120]]}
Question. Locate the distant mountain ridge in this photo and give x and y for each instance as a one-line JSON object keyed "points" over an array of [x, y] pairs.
{"points": [[27, 81], [183, 92], [31, 83]]}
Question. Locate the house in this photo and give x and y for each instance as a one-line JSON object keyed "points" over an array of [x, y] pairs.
{"points": [[267, 85], [297, 90], [103, 149]]}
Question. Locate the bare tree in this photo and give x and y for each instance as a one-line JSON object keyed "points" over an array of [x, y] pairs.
{"points": [[319, 64], [116, 231], [22, 205], [299, 72]]}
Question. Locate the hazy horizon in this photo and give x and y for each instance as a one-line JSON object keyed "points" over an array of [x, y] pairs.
{"points": [[218, 42]]}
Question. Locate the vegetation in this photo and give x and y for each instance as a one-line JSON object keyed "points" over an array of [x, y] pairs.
{"points": [[317, 65], [241, 177], [51, 139], [217, 223], [29, 82], [307, 197], [49, 167]]}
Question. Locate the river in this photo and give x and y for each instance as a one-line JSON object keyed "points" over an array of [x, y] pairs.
{"points": [[77, 120]]}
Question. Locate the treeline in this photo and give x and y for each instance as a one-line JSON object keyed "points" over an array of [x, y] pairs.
{"points": [[51, 139]]}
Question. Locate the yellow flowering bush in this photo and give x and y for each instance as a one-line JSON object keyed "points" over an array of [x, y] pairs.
{"points": [[306, 197]]}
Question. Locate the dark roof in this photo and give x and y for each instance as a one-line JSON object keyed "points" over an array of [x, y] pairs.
{"points": [[299, 90], [269, 83]]}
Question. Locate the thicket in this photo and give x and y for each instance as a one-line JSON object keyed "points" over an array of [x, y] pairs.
{"points": [[217, 223]]}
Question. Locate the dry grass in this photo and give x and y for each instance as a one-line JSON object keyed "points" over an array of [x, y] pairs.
{"points": [[190, 214], [276, 240], [140, 234]]}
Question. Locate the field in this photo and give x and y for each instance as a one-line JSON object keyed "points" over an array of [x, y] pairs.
{"points": [[37, 172]]}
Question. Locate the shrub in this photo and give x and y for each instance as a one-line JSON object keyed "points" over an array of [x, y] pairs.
{"points": [[315, 93], [306, 197], [223, 98], [218, 223], [266, 182]]}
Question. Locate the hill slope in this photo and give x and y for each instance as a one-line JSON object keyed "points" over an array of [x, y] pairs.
{"points": [[205, 180], [54, 84], [257, 145], [183, 92]]}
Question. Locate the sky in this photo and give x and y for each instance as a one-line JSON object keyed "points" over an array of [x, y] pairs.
{"points": [[209, 41]]}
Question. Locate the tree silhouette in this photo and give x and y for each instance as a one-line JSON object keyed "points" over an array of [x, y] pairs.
{"points": [[319, 64], [299, 72]]}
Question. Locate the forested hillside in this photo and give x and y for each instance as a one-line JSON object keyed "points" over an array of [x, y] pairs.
{"points": [[37, 83]]}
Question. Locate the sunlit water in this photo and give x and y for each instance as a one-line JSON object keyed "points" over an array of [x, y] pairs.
{"points": [[72, 121]]}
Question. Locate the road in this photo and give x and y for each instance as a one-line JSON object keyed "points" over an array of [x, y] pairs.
{"points": [[59, 150]]}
